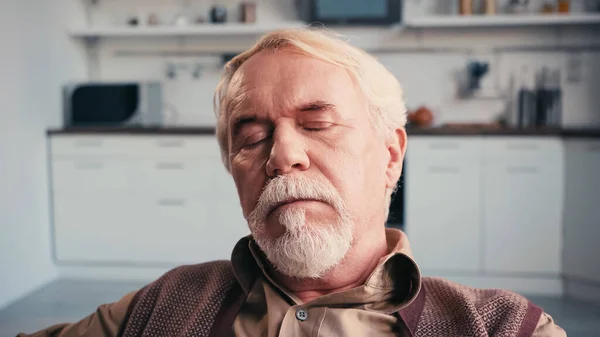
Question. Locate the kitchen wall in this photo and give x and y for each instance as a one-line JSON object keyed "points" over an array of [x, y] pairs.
{"points": [[426, 61], [35, 58]]}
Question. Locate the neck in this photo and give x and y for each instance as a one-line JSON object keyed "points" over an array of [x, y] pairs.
{"points": [[351, 272]]}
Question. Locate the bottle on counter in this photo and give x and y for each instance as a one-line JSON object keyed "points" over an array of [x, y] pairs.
{"points": [[526, 100], [558, 99], [542, 97], [548, 98]]}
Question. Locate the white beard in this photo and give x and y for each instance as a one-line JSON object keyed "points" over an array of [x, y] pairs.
{"points": [[304, 250]]}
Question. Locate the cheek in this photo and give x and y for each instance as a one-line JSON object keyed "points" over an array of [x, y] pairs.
{"points": [[249, 180], [364, 173]]}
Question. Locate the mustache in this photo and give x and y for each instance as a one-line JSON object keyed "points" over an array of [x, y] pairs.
{"points": [[286, 188]]}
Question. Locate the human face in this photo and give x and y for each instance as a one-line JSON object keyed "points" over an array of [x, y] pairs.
{"points": [[296, 115]]}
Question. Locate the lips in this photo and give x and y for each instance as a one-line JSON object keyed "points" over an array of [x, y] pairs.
{"points": [[285, 202]]}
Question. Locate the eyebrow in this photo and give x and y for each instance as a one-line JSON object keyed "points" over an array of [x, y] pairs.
{"points": [[318, 105]]}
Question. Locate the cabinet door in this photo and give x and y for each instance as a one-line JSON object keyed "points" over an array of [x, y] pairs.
{"points": [[522, 210], [443, 212], [184, 230], [582, 210]]}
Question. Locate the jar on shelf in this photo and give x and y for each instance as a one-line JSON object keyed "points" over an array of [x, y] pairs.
{"points": [[517, 6], [563, 6], [548, 7], [490, 7], [465, 7]]}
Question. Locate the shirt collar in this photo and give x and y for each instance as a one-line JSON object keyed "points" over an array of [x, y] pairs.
{"points": [[393, 284]]}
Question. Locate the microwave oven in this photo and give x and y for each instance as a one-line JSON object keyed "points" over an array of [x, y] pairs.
{"points": [[109, 104], [350, 12]]}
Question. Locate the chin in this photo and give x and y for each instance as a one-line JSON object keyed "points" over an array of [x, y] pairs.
{"points": [[304, 250]]}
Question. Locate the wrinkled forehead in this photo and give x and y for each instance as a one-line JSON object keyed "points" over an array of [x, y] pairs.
{"points": [[285, 78]]}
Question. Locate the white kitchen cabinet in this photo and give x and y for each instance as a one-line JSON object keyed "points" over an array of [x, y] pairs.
{"points": [[89, 174], [443, 198], [523, 197], [142, 199], [485, 205], [582, 211], [522, 211]]}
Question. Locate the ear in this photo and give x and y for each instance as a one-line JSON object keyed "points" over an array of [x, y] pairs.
{"points": [[396, 146]]}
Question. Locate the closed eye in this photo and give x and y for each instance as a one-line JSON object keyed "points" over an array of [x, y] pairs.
{"points": [[316, 126], [255, 140]]}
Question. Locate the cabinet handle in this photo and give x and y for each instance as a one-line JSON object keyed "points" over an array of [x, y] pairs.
{"points": [[522, 170], [89, 166], [171, 202], [170, 166], [88, 143], [522, 147], [170, 143], [444, 170], [444, 146]]}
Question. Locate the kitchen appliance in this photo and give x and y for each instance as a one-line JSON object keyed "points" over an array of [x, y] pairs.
{"points": [[113, 104], [347, 12]]}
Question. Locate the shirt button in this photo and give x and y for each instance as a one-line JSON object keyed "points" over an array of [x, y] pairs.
{"points": [[301, 315]]}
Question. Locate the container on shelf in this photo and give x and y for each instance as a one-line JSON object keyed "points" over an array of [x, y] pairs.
{"points": [[465, 7], [490, 7], [563, 6], [517, 6]]}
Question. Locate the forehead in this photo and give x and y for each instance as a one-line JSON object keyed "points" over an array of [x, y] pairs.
{"points": [[282, 79]]}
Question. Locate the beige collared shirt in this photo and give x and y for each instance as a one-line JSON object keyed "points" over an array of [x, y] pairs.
{"points": [[271, 310]]}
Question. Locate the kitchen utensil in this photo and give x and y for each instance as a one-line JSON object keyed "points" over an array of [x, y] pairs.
{"points": [[218, 14]]}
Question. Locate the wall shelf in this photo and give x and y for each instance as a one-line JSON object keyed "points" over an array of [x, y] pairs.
{"points": [[502, 20], [424, 22], [206, 30]]}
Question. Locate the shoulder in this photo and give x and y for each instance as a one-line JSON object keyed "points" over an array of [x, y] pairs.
{"points": [[207, 269], [480, 309], [214, 274], [189, 282]]}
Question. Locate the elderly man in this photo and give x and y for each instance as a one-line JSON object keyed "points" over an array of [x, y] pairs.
{"points": [[312, 131]]}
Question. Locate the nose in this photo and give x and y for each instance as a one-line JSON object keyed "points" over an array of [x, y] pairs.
{"points": [[288, 153]]}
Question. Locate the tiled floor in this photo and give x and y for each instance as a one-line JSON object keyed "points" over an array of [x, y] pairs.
{"points": [[68, 301]]}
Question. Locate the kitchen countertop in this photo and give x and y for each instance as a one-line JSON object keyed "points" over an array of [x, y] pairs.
{"points": [[438, 131]]}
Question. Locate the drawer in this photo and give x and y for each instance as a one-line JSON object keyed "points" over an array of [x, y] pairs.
{"points": [[189, 230], [590, 146], [162, 146], [524, 147], [142, 146], [442, 146], [176, 229], [90, 174], [92, 145], [177, 174]]}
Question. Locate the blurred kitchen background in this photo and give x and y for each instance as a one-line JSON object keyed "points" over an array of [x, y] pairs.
{"points": [[110, 174]]}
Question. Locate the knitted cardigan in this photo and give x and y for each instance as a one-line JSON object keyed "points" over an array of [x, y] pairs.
{"points": [[203, 300]]}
